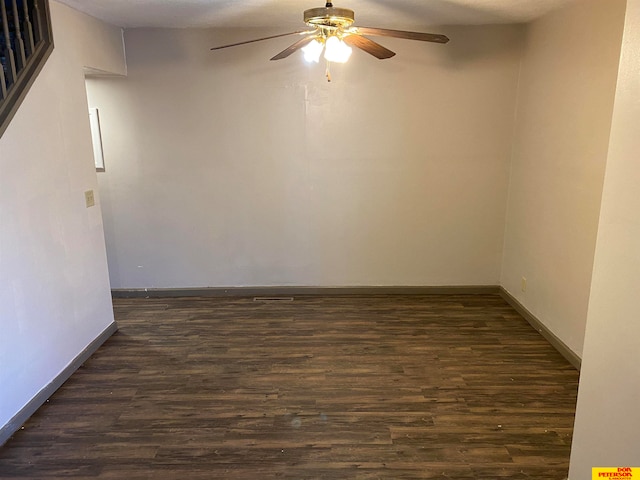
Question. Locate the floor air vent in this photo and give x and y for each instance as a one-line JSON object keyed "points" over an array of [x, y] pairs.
{"points": [[273, 299]]}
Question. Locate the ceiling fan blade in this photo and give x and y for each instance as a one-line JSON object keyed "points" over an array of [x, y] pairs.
{"points": [[369, 46], [292, 48], [300, 32], [385, 32]]}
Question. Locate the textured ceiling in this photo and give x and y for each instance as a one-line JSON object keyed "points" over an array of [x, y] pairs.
{"points": [[287, 14]]}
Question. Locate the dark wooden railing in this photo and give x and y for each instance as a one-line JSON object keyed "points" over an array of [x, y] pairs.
{"points": [[25, 44]]}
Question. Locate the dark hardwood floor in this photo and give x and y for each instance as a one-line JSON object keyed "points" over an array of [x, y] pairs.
{"points": [[360, 387]]}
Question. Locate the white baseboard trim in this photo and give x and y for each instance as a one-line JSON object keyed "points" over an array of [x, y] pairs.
{"points": [[558, 344], [7, 431], [294, 290]]}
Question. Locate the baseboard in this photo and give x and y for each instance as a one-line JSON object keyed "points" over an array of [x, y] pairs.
{"points": [[288, 291], [43, 395], [558, 344], [292, 291]]}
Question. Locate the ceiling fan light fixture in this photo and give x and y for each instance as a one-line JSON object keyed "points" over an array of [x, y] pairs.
{"points": [[331, 30], [336, 50], [312, 51]]}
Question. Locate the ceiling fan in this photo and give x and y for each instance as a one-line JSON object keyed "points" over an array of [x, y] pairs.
{"points": [[332, 31]]}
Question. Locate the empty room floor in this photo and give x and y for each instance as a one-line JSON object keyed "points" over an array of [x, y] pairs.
{"points": [[320, 387]]}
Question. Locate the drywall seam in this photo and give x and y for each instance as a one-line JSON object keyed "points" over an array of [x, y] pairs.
{"points": [[514, 134]]}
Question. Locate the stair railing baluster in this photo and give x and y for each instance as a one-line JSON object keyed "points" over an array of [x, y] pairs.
{"points": [[8, 51], [21, 58], [28, 29], [37, 18], [26, 41], [3, 84], [3, 60]]}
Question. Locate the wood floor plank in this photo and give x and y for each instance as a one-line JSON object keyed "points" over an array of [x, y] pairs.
{"points": [[321, 387]]}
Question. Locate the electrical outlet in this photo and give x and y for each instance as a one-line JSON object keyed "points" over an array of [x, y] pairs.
{"points": [[89, 199], [523, 284]]}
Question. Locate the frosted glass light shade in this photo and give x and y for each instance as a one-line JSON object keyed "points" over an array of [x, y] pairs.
{"points": [[312, 51], [336, 50]]}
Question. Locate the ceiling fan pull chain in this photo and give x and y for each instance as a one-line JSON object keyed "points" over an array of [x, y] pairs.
{"points": [[328, 73], [329, 5]]}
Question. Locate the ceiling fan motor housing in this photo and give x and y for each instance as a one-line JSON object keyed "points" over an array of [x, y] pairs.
{"points": [[329, 16]]}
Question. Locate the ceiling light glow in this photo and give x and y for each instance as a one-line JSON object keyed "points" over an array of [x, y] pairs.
{"points": [[312, 51], [336, 50]]}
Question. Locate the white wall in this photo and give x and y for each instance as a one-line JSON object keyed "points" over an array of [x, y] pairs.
{"points": [[54, 287], [607, 416], [565, 103], [225, 169]]}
